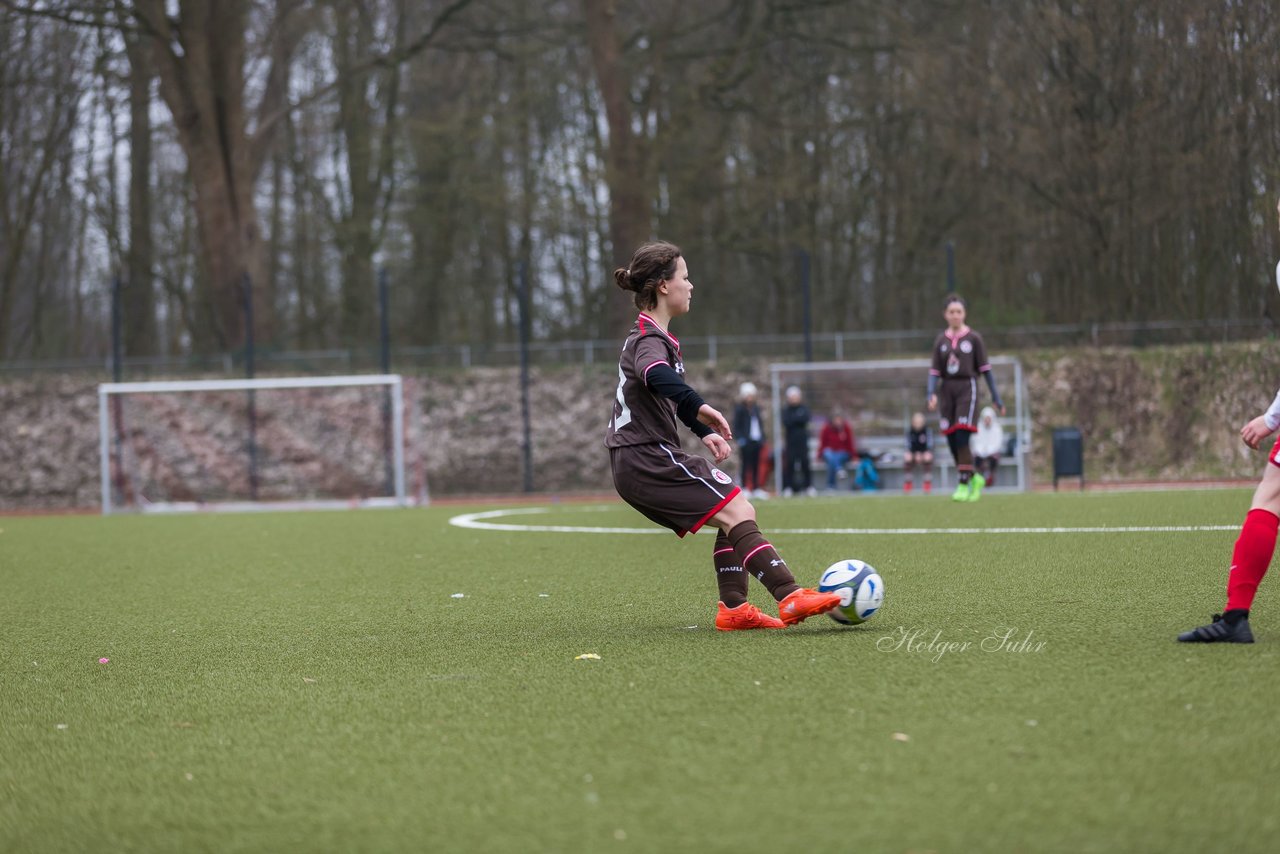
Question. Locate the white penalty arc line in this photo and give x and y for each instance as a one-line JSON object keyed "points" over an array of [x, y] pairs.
{"points": [[479, 522]]}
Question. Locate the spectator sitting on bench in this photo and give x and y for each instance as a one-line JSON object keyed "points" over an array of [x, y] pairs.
{"points": [[867, 476], [835, 446]]}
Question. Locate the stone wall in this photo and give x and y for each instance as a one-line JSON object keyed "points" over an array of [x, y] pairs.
{"points": [[1153, 413]]}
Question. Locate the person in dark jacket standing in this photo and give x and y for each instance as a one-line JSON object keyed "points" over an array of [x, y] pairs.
{"points": [[797, 477]]}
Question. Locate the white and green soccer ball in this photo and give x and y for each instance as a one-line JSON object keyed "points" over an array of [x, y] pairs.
{"points": [[860, 587]]}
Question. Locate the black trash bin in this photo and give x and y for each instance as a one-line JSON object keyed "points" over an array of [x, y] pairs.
{"points": [[1068, 454]]}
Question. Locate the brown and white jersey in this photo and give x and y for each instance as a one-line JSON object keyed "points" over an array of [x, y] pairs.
{"points": [[639, 415], [959, 355]]}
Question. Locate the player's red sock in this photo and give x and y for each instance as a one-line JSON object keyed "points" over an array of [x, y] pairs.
{"points": [[730, 576], [761, 560], [1252, 556]]}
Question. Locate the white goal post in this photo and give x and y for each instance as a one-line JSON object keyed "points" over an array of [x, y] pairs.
{"points": [[878, 397], [107, 392]]}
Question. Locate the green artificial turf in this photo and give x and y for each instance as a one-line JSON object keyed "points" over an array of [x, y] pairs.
{"points": [[297, 682]]}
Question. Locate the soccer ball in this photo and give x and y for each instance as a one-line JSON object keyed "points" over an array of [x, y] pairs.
{"points": [[860, 587]]}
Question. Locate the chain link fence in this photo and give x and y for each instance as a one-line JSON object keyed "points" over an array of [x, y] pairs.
{"points": [[837, 346]]}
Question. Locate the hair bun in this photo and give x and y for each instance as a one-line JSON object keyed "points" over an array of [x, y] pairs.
{"points": [[623, 279]]}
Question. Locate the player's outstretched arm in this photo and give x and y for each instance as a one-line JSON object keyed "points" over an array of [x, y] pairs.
{"points": [[712, 418]]}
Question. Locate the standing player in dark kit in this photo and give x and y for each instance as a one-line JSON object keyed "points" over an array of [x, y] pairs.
{"points": [[919, 453], [958, 357], [675, 489]]}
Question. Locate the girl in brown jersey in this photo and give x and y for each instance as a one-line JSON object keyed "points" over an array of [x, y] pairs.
{"points": [[675, 489], [959, 356]]}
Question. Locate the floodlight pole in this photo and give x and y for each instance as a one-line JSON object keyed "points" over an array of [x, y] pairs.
{"points": [[117, 371], [951, 267], [522, 283], [384, 339], [117, 346], [803, 258], [248, 372]]}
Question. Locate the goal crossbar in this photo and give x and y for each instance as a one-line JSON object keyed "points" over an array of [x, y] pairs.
{"points": [[393, 381]]}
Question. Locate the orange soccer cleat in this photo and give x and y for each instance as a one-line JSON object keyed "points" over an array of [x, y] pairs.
{"points": [[745, 616], [804, 603]]}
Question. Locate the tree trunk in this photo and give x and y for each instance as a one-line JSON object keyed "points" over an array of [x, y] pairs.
{"points": [[204, 88], [355, 231], [628, 205], [139, 321]]}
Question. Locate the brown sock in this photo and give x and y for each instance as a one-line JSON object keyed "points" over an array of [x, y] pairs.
{"points": [[730, 576], [964, 462], [761, 560]]}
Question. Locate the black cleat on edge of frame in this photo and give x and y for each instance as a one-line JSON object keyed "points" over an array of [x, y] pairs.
{"points": [[1219, 631]]}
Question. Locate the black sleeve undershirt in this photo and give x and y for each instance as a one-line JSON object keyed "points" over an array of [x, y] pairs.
{"points": [[991, 384], [663, 380]]}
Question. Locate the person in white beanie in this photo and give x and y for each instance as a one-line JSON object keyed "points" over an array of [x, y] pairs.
{"points": [[797, 476]]}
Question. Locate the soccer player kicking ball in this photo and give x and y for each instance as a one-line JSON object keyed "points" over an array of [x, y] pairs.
{"points": [[675, 489]]}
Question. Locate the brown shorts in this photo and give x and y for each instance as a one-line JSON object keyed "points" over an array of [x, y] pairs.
{"points": [[677, 490], [956, 401]]}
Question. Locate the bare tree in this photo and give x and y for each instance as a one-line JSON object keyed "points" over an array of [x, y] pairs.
{"points": [[38, 115]]}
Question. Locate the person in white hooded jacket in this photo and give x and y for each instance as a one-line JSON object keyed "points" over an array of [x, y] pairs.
{"points": [[988, 445]]}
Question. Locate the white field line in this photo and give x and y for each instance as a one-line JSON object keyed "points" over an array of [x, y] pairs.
{"points": [[479, 522]]}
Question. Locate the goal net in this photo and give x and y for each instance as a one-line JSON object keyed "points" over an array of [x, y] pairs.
{"points": [[273, 443], [878, 399]]}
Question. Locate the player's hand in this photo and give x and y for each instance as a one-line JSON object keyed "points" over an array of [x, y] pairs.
{"points": [[713, 419], [1000, 409], [1255, 431], [933, 402], [718, 447]]}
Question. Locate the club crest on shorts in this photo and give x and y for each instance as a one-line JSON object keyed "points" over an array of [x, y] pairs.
{"points": [[721, 477], [943, 423]]}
